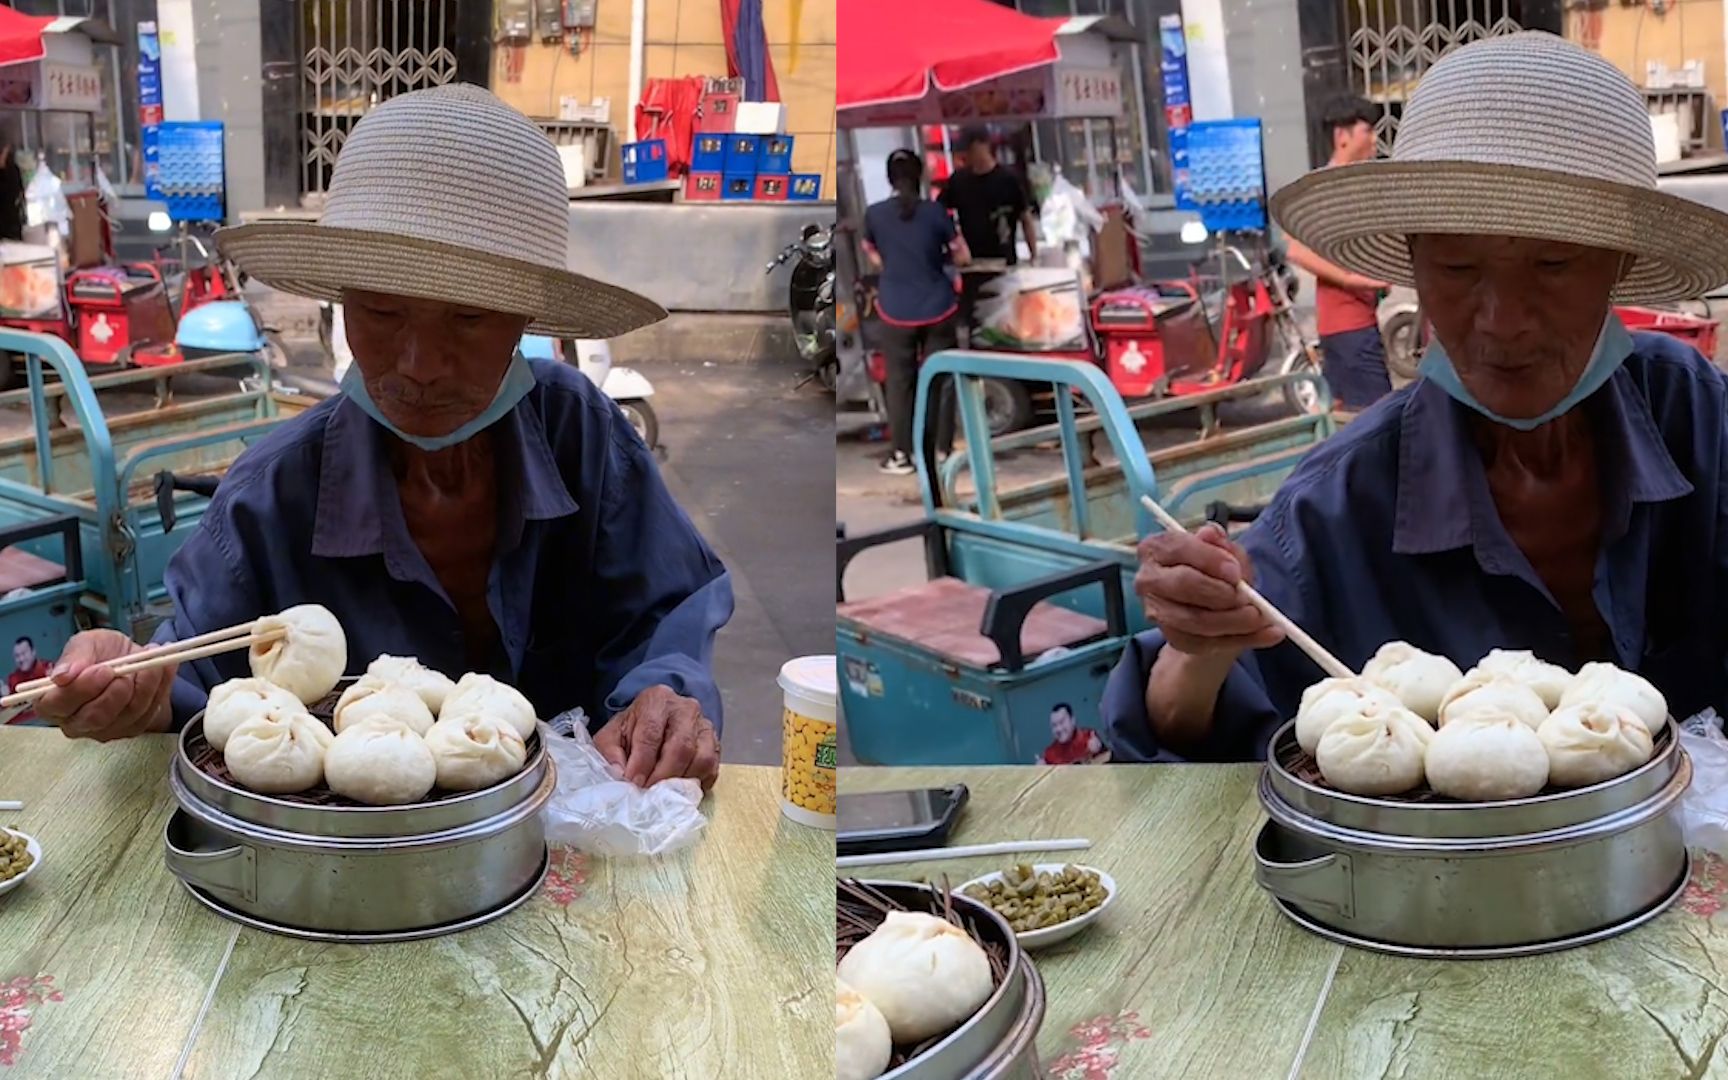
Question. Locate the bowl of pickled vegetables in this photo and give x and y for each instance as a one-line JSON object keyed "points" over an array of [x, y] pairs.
{"points": [[1044, 903], [20, 855]]}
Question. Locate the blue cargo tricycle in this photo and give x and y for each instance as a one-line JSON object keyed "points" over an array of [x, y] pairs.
{"points": [[1001, 656]]}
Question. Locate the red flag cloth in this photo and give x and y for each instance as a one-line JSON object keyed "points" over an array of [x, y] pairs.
{"points": [[668, 111], [21, 36], [898, 50], [747, 49]]}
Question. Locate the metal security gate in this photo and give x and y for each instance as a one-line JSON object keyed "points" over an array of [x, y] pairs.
{"points": [[357, 53], [1393, 43]]}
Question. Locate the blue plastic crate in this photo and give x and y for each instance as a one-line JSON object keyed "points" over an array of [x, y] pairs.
{"points": [[644, 162], [738, 187], [804, 187], [775, 156], [708, 152], [1227, 175], [742, 154]]}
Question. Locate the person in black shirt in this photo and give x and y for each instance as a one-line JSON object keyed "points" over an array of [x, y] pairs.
{"points": [[990, 202], [11, 194], [913, 244]]}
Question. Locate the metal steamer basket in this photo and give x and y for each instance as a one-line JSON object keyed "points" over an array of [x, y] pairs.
{"points": [[357, 873], [998, 1042], [1468, 880]]}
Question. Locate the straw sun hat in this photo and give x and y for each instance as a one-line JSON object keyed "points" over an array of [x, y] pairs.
{"points": [[444, 194], [1524, 135]]}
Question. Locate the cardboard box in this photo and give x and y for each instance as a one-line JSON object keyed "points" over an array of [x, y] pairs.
{"points": [[771, 187], [760, 118], [702, 187]]}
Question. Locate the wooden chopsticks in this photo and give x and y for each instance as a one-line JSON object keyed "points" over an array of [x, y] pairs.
{"points": [[1330, 664], [243, 636]]}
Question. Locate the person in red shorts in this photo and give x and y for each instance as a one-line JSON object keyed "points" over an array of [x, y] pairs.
{"points": [[1353, 358], [1073, 744], [26, 665]]}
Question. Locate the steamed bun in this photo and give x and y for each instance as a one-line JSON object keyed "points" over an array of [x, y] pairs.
{"points": [[924, 974], [1375, 750], [368, 701], [862, 1045], [381, 763], [1419, 679], [239, 700], [1605, 684], [476, 693], [1487, 757], [278, 753], [1332, 699], [432, 686], [1548, 680], [473, 751], [1590, 743], [1490, 691], [309, 661]]}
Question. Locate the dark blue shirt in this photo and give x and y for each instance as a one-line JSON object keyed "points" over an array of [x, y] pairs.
{"points": [[914, 288], [1388, 532], [601, 587]]}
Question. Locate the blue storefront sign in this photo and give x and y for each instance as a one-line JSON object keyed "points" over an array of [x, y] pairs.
{"points": [[150, 106], [1178, 108]]}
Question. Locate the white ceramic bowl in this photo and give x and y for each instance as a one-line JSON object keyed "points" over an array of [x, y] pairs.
{"points": [[1050, 935], [35, 850]]}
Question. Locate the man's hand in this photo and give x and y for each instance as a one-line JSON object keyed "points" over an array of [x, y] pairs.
{"points": [[662, 735], [1188, 586], [89, 701]]}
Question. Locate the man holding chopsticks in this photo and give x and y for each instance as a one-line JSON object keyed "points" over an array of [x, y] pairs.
{"points": [[456, 502], [1552, 482]]}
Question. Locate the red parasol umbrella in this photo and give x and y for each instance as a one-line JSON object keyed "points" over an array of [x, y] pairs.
{"points": [[897, 50], [21, 36]]}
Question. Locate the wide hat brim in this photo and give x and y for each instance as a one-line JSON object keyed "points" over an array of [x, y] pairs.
{"points": [[1361, 217], [318, 261]]}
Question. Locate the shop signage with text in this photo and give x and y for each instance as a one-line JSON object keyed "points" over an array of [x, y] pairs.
{"points": [[1082, 92], [70, 87]]}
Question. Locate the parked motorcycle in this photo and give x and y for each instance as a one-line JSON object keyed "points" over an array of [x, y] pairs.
{"points": [[810, 303], [627, 387]]}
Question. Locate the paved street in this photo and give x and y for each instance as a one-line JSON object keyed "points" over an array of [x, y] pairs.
{"points": [[748, 458]]}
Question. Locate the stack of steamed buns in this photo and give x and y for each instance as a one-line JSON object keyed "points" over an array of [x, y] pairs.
{"points": [[400, 730], [1510, 727]]}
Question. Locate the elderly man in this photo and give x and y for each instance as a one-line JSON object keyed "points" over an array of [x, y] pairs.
{"points": [[1553, 483], [456, 502]]}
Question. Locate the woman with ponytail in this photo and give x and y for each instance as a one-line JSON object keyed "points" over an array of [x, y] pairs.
{"points": [[914, 246]]}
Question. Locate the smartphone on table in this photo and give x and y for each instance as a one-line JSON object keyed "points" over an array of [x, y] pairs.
{"points": [[879, 821]]}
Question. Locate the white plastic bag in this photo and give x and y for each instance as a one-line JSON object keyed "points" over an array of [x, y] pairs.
{"points": [[1704, 807], [596, 811], [45, 200]]}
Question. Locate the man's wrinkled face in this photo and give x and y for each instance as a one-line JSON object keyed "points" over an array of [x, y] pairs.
{"points": [[980, 157], [430, 366], [23, 656], [1518, 317], [1062, 725]]}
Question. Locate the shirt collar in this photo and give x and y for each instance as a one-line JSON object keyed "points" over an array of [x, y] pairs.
{"points": [[356, 486], [1439, 470]]}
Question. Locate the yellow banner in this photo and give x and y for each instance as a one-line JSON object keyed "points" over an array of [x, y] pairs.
{"points": [[795, 12]]}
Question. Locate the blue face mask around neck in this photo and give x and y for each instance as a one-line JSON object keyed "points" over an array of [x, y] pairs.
{"points": [[1613, 346], [517, 382]]}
